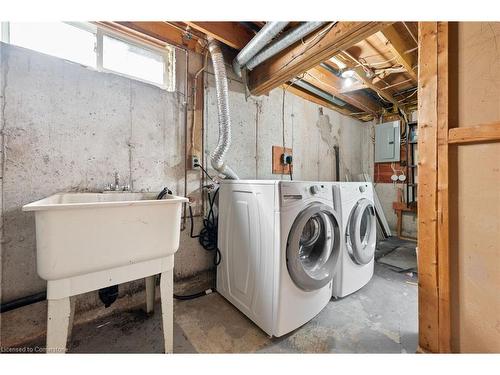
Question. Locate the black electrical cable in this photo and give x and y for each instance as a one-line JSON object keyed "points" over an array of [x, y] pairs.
{"points": [[207, 236], [193, 296], [204, 171]]}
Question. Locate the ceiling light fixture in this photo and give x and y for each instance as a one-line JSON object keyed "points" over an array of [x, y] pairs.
{"points": [[349, 73], [337, 62], [347, 82]]}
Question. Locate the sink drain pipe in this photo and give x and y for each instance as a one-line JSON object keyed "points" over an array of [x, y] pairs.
{"points": [[23, 301]]}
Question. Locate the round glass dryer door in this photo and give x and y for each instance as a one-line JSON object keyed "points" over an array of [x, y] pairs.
{"points": [[313, 247], [361, 231]]}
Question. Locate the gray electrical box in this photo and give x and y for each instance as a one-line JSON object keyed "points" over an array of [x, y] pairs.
{"points": [[387, 142]]}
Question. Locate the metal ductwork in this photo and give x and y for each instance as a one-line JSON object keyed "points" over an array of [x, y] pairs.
{"points": [[259, 41], [323, 94], [285, 41], [217, 156]]}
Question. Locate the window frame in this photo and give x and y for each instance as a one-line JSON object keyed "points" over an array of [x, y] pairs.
{"points": [[167, 53]]}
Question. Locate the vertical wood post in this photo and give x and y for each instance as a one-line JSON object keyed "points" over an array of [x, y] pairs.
{"points": [[427, 188], [433, 241]]}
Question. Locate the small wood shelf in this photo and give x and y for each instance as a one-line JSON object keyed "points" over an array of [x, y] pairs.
{"points": [[399, 208]]}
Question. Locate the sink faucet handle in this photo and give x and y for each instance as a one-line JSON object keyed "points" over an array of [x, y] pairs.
{"points": [[117, 180]]}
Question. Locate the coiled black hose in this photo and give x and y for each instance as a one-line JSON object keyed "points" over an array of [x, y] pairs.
{"points": [[207, 237], [208, 234]]}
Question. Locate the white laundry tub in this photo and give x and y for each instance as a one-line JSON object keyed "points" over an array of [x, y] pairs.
{"points": [[82, 233]]}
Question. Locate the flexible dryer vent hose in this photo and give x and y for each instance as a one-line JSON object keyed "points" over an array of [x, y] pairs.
{"points": [[218, 155]]}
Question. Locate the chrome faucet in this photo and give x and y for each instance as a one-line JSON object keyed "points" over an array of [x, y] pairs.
{"points": [[116, 186]]}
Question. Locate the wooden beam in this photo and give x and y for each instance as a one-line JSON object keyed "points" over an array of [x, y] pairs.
{"points": [[399, 47], [428, 304], [300, 57], [329, 82], [232, 34], [361, 75], [442, 214], [474, 134], [156, 32]]}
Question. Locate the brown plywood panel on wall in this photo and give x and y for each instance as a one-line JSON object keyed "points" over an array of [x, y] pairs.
{"points": [[476, 272], [475, 194], [478, 67], [279, 168]]}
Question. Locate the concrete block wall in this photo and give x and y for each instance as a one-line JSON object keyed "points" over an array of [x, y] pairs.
{"points": [[69, 128]]}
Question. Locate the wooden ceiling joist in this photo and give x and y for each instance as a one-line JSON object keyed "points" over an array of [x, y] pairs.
{"points": [[157, 32], [300, 57], [401, 49], [332, 84], [232, 34]]}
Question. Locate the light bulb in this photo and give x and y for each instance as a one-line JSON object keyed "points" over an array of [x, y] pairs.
{"points": [[349, 73]]}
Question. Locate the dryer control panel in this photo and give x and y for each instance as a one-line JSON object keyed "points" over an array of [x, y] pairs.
{"points": [[293, 191]]}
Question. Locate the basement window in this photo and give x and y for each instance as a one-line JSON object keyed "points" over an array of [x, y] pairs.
{"points": [[57, 39], [133, 61], [97, 48]]}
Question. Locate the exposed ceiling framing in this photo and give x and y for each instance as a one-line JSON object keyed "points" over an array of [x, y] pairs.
{"points": [[232, 34], [318, 47], [382, 56]]}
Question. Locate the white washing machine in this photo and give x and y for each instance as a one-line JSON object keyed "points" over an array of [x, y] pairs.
{"points": [[280, 243], [360, 236]]}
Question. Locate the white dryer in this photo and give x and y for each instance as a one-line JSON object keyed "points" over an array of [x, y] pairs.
{"points": [[360, 236], [280, 243]]}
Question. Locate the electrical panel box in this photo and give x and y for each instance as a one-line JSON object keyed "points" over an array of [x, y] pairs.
{"points": [[387, 142]]}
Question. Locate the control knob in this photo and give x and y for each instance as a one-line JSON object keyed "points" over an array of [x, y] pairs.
{"points": [[314, 189]]}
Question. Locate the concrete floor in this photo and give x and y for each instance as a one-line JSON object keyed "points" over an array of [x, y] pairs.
{"points": [[380, 318]]}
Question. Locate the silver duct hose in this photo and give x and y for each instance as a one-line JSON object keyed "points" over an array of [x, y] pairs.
{"points": [[283, 42], [217, 156], [259, 41]]}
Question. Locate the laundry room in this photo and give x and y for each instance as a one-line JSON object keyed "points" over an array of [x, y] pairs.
{"points": [[239, 187]]}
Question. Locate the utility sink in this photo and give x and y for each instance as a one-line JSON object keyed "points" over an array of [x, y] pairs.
{"points": [[89, 241], [81, 233]]}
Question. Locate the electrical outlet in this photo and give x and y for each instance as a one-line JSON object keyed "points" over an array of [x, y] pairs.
{"points": [[282, 160], [286, 159], [195, 161]]}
